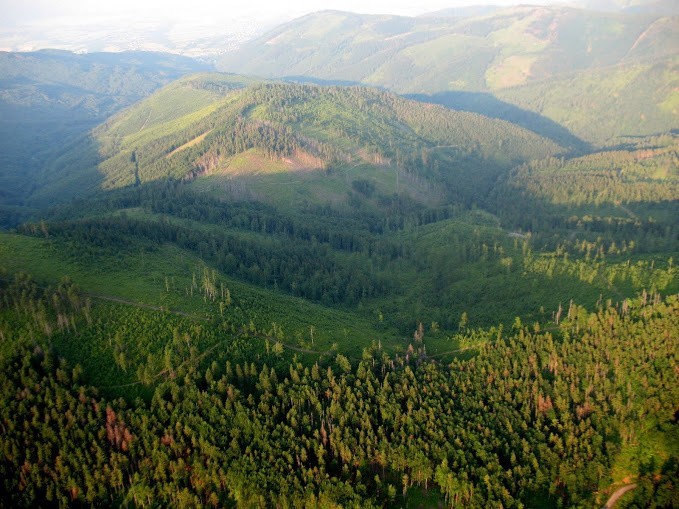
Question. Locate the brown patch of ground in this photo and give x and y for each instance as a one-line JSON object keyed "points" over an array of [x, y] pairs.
{"points": [[188, 144], [254, 162]]}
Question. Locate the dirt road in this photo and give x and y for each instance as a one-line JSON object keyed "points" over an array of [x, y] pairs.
{"points": [[618, 493]]}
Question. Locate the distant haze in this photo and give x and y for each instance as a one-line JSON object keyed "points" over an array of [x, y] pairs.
{"points": [[210, 10], [200, 27]]}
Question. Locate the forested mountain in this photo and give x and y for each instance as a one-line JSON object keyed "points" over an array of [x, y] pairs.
{"points": [[50, 98], [638, 182], [408, 243], [418, 55], [608, 104], [253, 292], [246, 139], [563, 49]]}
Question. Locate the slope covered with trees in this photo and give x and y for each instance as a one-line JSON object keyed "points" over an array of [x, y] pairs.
{"points": [[251, 293], [427, 152], [576, 67], [608, 104], [397, 52], [533, 415], [556, 232], [635, 183]]}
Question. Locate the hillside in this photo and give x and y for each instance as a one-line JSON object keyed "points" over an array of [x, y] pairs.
{"points": [[620, 101], [553, 229], [321, 349], [218, 418], [234, 139], [494, 52], [50, 98], [431, 54], [639, 172], [224, 290], [632, 187], [350, 196]]}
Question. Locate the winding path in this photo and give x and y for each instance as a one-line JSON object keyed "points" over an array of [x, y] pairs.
{"points": [[618, 493], [144, 306], [628, 211]]}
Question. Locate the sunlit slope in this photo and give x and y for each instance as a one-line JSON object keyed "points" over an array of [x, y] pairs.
{"points": [[430, 54], [601, 105], [215, 127], [593, 72], [172, 282], [75, 169]]}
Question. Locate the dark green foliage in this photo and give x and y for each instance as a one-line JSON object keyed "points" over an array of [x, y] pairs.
{"points": [[365, 187], [628, 195], [655, 490], [644, 171], [487, 104], [303, 270], [533, 412], [413, 263], [44, 310], [325, 296]]}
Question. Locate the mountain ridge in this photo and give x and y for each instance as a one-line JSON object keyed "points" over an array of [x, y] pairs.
{"points": [[188, 130], [496, 53]]}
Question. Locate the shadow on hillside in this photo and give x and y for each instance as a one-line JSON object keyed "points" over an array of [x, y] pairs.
{"points": [[482, 103], [71, 172], [490, 106], [33, 169], [634, 139]]}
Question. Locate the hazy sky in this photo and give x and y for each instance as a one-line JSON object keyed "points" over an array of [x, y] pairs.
{"points": [[19, 12]]}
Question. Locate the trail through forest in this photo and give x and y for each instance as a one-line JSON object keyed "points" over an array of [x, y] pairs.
{"points": [[145, 306], [618, 493]]}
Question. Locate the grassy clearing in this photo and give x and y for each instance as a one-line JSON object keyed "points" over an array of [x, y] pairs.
{"points": [[513, 70], [189, 144], [288, 184]]}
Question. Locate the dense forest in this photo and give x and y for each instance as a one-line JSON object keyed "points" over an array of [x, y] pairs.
{"points": [[223, 401], [431, 258], [529, 414]]}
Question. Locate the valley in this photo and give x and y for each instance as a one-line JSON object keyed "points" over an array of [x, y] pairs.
{"points": [[382, 261]]}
